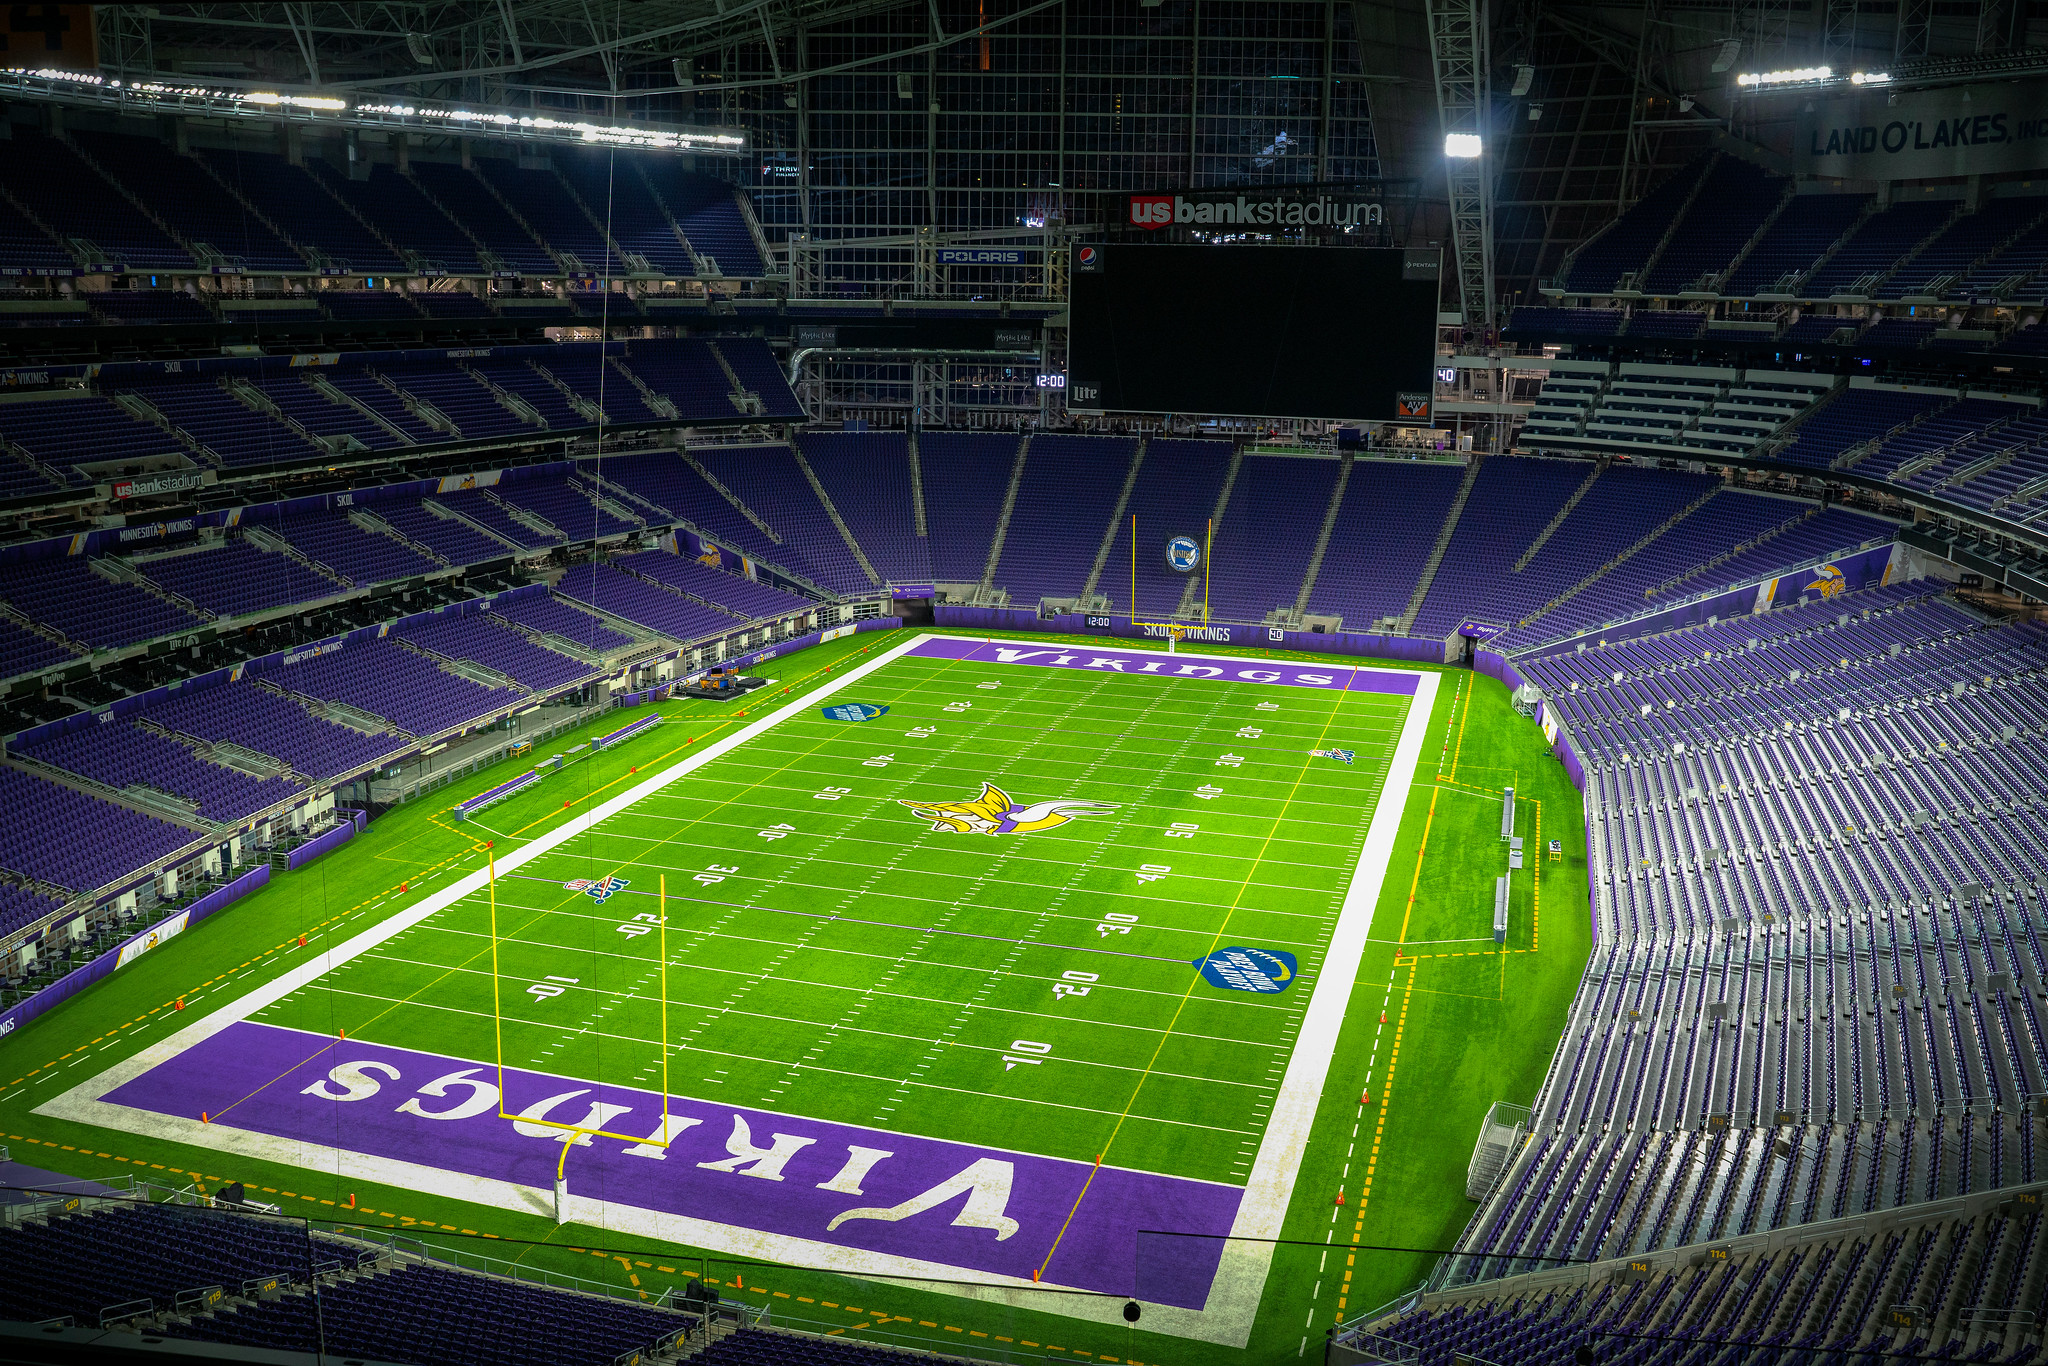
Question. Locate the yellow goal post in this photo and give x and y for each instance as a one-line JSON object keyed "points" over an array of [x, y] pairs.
{"points": [[660, 1138]]}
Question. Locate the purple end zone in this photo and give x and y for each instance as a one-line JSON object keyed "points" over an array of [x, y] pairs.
{"points": [[1346, 677], [982, 1210]]}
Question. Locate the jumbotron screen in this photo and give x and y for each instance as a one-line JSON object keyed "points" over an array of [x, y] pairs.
{"points": [[1254, 331]]}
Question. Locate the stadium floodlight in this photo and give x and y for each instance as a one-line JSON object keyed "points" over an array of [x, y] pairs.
{"points": [[326, 102], [1791, 76], [1462, 146], [1725, 58], [1870, 78], [91, 90]]}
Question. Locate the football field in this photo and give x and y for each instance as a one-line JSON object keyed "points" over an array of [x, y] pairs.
{"points": [[1013, 965]]}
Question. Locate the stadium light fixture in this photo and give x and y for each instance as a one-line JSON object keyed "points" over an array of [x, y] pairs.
{"points": [[1791, 76], [212, 101], [1870, 78], [1462, 146]]}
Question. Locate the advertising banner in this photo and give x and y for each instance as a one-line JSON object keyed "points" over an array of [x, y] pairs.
{"points": [[1923, 135]]}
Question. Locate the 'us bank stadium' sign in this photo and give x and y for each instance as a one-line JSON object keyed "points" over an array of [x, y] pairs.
{"points": [[1282, 209]]}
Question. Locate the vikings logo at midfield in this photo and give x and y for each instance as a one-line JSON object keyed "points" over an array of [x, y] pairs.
{"points": [[993, 813]]}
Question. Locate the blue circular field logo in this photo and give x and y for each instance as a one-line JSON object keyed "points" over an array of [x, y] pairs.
{"points": [[853, 711], [1183, 553], [1238, 968]]}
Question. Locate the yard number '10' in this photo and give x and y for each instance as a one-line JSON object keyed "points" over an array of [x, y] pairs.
{"points": [[1010, 1060]]}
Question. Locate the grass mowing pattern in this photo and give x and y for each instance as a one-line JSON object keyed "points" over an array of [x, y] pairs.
{"points": [[834, 956], [1460, 1051]]}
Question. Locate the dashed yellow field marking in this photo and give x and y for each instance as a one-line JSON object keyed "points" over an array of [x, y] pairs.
{"points": [[1379, 1131]]}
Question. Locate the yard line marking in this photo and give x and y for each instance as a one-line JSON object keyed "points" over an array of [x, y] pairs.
{"points": [[1187, 995], [1416, 881], [1083, 947], [381, 956], [889, 836], [901, 1081]]}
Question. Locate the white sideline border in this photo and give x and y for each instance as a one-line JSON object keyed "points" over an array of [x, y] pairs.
{"points": [[1225, 1319]]}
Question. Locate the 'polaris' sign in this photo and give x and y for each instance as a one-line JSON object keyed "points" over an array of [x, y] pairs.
{"points": [[980, 256], [1151, 211]]}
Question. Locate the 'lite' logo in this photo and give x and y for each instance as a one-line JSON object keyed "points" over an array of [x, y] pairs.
{"points": [[1150, 211]]}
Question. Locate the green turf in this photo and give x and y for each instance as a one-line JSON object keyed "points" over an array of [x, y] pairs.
{"points": [[769, 972], [834, 956]]}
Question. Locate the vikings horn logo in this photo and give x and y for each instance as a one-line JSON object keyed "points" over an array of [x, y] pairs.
{"points": [[1830, 583], [992, 813]]}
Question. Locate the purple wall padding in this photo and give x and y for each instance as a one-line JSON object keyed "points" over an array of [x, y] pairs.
{"points": [[77, 980], [1494, 664], [333, 839], [1335, 643]]}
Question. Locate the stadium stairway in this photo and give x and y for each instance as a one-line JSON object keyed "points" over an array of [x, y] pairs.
{"points": [[1442, 546], [1322, 546], [1002, 527], [1117, 519], [1550, 527], [743, 399], [1195, 595], [832, 511], [1647, 270], [1622, 557], [918, 517], [1178, 485]]}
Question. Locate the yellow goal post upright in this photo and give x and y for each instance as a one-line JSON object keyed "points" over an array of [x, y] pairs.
{"points": [[1176, 631], [570, 1132]]}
